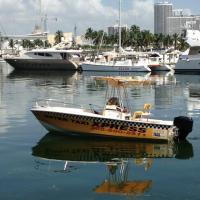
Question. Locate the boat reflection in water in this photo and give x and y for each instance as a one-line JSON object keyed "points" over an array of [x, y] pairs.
{"points": [[117, 155]]}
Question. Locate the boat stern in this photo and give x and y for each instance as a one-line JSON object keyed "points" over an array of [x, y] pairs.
{"points": [[184, 125]]}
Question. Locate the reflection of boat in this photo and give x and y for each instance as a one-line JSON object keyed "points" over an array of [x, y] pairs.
{"points": [[50, 59], [42, 74], [114, 120], [116, 155], [45, 77], [89, 149]]}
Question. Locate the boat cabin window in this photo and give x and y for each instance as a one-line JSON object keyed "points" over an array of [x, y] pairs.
{"points": [[48, 55], [42, 54], [113, 101], [65, 56]]}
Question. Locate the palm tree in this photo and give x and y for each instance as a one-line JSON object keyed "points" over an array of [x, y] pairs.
{"points": [[11, 44], [182, 45], [175, 38], [47, 44], [58, 37], [147, 38], [89, 34], [125, 37], [38, 43], [27, 44]]}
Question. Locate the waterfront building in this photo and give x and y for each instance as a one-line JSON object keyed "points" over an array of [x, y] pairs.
{"points": [[162, 11], [168, 21], [177, 24]]}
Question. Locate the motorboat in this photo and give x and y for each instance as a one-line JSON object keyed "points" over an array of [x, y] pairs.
{"points": [[115, 119], [156, 61], [43, 59], [190, 59]]}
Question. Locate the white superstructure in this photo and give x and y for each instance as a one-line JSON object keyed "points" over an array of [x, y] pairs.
{"points": [[190, 59]]}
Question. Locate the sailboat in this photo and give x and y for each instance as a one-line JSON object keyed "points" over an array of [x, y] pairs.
{"points": [[119, 63]]}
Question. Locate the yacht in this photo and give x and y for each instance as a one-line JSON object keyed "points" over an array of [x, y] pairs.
{"points": [[190, 59], [42, 59]]}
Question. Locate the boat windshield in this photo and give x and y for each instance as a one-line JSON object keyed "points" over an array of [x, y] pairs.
{"points": [[113, 101]]}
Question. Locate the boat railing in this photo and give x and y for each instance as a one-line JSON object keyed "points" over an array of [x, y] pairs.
{"points": [[95, 108], [54, 102]]}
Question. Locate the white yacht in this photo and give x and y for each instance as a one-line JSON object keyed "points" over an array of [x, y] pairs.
{"points": [[118, 64], [51, 59], [190, 59]]}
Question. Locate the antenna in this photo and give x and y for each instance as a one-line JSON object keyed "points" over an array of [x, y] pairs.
{"points": [[120, 33], [40, 14]]}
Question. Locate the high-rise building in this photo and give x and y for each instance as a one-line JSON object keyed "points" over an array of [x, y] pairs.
{"points": [[168, 21], [162, 11]]}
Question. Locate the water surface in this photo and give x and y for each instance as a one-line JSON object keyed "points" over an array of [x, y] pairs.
{"points": [[36, 164]]}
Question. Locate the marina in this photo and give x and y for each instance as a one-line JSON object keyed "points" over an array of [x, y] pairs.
{"points": [[56, 164], [95, 104]]}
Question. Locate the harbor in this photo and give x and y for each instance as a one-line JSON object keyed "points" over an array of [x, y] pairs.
{"points": [[40, 164], [93, 100]]}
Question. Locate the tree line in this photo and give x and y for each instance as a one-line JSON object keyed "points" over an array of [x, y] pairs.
{"points": [[133, 37], [136, 38]]}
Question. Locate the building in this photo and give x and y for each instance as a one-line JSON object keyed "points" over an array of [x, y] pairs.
{"points": [[177, 24], [114, 30], [162, 11], [169, 21]]}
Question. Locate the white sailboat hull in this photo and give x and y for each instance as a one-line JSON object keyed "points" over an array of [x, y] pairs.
{"points": [[114, 68]]}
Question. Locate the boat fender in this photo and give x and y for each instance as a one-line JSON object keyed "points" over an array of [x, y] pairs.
{"points": [[184, 125]]}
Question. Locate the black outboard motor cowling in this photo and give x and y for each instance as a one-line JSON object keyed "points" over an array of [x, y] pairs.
{"points": [[184, 125]]}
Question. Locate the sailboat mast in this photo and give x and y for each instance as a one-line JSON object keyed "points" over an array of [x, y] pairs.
{"points": [[120, 33]]}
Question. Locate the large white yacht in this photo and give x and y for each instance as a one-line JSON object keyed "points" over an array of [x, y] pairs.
{"points": [[190, 59], [51, 59]]}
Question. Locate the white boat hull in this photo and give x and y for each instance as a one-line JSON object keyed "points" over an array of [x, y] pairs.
{"points": [[188, 65], [162, 67], [114, 68]]}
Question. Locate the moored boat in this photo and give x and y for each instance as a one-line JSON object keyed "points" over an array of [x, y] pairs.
{"points": [[43, 59], [190, 59], [118, 64], [114, 120]]}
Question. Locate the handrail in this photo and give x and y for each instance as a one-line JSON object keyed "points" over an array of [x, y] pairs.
{"points": [[47, 102]]}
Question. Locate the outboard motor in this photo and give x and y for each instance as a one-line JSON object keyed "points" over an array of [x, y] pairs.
{"points": [[184, 125]]}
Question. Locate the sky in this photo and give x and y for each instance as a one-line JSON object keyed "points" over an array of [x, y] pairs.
{"points": [[20, 16]]}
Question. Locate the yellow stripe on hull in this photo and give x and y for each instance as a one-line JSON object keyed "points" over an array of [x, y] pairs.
{"points": [[101, 126]]}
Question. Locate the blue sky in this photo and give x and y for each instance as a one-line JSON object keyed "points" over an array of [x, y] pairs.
{"points": [[20, 16]]}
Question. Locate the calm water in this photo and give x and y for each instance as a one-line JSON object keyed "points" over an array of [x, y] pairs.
{"points": [[39, 165]]}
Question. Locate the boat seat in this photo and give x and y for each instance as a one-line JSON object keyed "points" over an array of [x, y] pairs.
{"points": [[146, 110], [144, 113], [137, 114]]}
